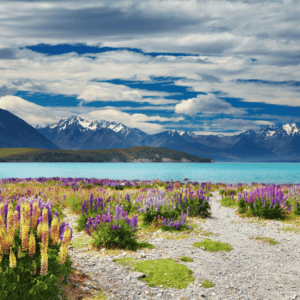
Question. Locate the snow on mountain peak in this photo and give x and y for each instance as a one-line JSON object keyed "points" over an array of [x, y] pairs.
{"points": [[291, 129]]}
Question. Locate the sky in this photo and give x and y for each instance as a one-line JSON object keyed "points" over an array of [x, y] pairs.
{"points": [[210, 67]]}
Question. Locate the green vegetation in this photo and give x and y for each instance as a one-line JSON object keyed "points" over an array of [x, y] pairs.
{"points": [[292, 229], [165, 272], [186, 259], [213, 246], [142, 245], [206, 283], [207, 233], [229, 202], [265, 240], [151, 154], [14, 151]]}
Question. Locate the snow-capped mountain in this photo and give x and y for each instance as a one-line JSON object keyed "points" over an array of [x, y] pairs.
{"points": [[270, 143], [280, 140], [73, 132]]}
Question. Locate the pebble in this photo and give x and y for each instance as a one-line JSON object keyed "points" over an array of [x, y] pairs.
{"points": [[252, 270]]}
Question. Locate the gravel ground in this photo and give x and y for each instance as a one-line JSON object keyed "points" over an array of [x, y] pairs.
{"points": [[252, 270]]}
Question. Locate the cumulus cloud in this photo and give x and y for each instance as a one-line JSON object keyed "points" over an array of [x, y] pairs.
{"points": [[35, 115], [29, 112], [124, 118], [104, 91], [206, 104]]}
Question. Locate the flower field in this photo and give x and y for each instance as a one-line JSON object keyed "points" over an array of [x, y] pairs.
{"points": [[34, 238]]}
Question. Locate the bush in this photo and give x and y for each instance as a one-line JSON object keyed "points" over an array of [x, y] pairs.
{"points": [[228, 202], [113, 231], [30, 269]]}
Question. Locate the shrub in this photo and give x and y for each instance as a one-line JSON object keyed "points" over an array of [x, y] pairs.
{"points": [[267, 202], [228, 202], [33, 259], [113, 231]]}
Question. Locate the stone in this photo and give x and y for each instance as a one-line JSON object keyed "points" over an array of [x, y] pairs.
{"points": [[138, 275]]}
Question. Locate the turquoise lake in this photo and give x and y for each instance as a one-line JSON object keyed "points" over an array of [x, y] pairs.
{"points": [[201, 172]]}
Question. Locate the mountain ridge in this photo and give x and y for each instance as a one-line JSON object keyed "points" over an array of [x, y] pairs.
{"points": [[270, 143]]}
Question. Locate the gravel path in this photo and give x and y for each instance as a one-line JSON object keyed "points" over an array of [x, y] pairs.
{"points": [[252, 270]]}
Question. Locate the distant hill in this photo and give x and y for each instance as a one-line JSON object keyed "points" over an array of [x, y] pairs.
{"points": [[16, 133], [135, 154]]}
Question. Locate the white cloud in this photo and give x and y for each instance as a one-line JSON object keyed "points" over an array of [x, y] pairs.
{"points": [[104, 91], [206, 104], [143, 118], [29, 112], [38, 115], [124, 118]]}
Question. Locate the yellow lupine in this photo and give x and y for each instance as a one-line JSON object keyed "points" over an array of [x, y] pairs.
{"points": [[63, 251], [64, 246], [54, 230], [10, 220], [31, 244], [39, 230], [12, 259], [8, 243], [44, 262], [35, 215], [25, 238], [45, 215], [27, 214], [2, 214], [2, 240], [45, 235]]}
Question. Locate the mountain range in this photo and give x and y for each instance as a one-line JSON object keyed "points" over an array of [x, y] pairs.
{"points": [[270, 143]]}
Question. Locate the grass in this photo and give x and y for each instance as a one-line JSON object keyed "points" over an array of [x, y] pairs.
{"points": [[207, 233], [213, 246], [81, 242], [142, 245], [165, 272], [265, 240], [229, 202], [12, 151], [291, 229], [186, 259], [206, 283]]}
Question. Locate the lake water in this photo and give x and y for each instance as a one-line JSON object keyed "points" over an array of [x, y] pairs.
{"points": [[201, 172]]}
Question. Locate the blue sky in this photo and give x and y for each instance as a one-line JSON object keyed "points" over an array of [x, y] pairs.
{"points": [[211, 67]]}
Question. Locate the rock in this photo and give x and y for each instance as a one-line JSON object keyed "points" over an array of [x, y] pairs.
{"points": [[202, 248], [138, 275]]}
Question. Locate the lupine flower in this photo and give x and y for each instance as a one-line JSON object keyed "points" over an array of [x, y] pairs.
{"points": [[45, 235], [55, 230], [31, 244], [39, 230], [44, 262], [64, 246], [12, 259]]}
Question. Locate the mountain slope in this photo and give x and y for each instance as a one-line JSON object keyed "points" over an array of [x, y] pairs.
{"points": [[16, 133], [76, 133]]}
